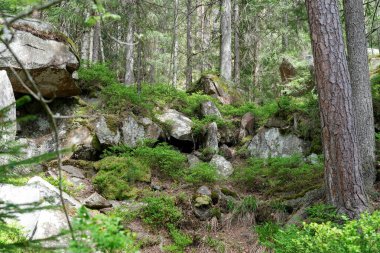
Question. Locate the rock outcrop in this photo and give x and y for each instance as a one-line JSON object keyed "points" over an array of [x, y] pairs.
{"points": [[179, 125], [8, 126], [287, 71], [46, 54], [223, 167], [271, 143], [208, 108]]}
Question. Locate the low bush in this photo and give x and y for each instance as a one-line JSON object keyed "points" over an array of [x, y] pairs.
{"points": [[355, 236], [160, 211], [180, 240], [96, 76], [202, 173], [320, 213], [285, 177], [117, 174], [100, 234]]}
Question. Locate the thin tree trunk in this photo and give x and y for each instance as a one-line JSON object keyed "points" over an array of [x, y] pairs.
{"points": [[91, 46], [175, 44], [96, 43], [236, 43], [189, 49], [139, 51], [85, 49], [225, 45], [129, 77], [361, 88], [343, 177], [285, 40]]}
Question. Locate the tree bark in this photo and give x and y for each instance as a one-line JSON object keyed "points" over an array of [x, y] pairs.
{"points": [[225, 45], [175, 44], [343, 177], [96, 43], [236, 43], [129, 77], [361, 88], [189, 49]]}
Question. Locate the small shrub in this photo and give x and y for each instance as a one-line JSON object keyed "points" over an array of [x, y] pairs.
{"points": [[101, 234], [96, 76], [247, 205], [355, 236], [202, 173], [180, 240], [286, 177], [320, 213], [116, 174], [160, 211]]}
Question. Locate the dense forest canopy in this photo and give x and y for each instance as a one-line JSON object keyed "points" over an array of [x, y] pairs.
{"points": [[189, 126]]}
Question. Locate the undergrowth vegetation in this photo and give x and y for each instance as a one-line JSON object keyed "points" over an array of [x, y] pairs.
{"points": [[284, 177]]}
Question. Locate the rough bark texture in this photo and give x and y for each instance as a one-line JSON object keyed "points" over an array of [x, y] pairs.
{"points": [[343, 177], [361, 88], [225, 47], [236, 43], [175, 43], [189, 50], [129, 77], [96, 43]]}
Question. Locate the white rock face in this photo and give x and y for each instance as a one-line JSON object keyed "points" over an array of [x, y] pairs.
{"points": [[212, 138], [132, 132], [224, 167], [104, 134], [271, 143], [7, 98], [49, 60], [180, 124], [208, 108], [38, 224]]}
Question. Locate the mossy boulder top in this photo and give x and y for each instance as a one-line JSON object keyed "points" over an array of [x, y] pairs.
{"points": [[48, 55]]}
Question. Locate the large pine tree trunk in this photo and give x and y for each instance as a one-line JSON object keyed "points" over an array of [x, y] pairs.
{"points": [[129, 77], [189, 50], [236, 43], [343, 177], [361, 89], [175, 43], [225, 47]]}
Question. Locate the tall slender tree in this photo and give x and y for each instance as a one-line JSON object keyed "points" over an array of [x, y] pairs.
{"points": [[189, 50], [225, 45], [343, 177], [236, 43], [129, 77], [361, 88], [175, 43]]}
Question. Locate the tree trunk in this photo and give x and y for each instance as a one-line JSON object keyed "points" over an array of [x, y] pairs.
{"points": [[343, 177], [129, 77], [361, 88], [285, 39], [175, 44], [189, 50], [96, 43], [236, 43], [225, 46]]}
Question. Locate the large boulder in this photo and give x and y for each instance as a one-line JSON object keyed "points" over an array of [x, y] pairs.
{"points": [[223, 167], [208, 108], [271, 143], [105, 134], [132, 131], [213, 86], [287, 70], [48, 56], [212, 137], [38, 224], [179, 124], [8, 126], [247, 125]]}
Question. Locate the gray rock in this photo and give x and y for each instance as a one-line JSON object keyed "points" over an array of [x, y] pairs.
{"points": [[208, 108], [227, 152], [180, 125], [7, 103], [132, 132], [202, 206], [223, 167], [192, 160], [73, 171], [271, 143], [374, 63], [82, 139], [96, 201], [209, 84], [248, 123], [46, 54], [152, 130], [204, 190], [212, 138], [104, 134], [312, 159]]}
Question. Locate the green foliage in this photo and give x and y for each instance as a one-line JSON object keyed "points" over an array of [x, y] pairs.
{"points": [[67, 186], [116, 174], [100, 233], [285, 177], [180, 240], [320, 213], [96, 76], [160, 211], [247, 205], [202, 173], [356, 236], [199, 125], [10, 234]]}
